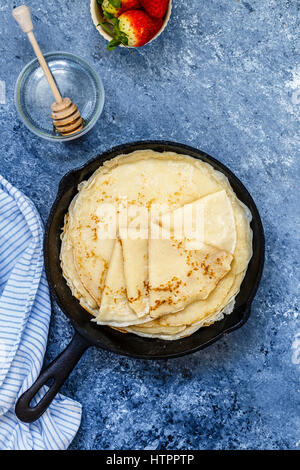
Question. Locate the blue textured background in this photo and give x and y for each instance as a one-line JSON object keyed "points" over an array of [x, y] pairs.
{"points": [[223, 77]]}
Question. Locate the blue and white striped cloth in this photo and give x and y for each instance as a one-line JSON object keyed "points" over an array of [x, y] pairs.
{"points": [[24, 320]]}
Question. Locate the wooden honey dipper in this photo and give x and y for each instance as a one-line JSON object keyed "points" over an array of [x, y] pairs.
{"points": [[65, 115]]}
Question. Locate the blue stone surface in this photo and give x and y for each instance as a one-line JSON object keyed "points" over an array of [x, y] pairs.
{"points": [[223, 77]]}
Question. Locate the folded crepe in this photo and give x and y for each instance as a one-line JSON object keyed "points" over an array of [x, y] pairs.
{"points": [[115, 308], [221, 299], [134, 239], [190, 253], [179, 276], [163, 287]]}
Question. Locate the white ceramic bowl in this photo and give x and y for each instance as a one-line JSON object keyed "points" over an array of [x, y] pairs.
{"points": [[97, 17]]}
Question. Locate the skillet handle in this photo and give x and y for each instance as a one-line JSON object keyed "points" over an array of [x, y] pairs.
{"points": [[58, 371]]}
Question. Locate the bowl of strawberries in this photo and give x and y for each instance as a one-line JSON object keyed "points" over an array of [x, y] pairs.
{"points": [[130, 23]]}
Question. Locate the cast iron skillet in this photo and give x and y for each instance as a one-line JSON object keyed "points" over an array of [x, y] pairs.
{"points": [[89, 334]]}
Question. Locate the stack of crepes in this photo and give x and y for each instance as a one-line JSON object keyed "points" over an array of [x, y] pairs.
{"points": [[146, 274]]}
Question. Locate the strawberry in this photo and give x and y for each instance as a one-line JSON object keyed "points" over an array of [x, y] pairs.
{"points": [[155, 8], [117, 7], [133, 28]]}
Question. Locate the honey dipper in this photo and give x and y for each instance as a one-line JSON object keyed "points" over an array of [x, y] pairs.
{"points": [[65, 115]]}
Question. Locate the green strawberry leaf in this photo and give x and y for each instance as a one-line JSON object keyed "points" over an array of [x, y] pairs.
{"points": [[107, 15], [106, 27], [115, 3], [123, 38], [112, 28], [119, 35], [113, 44]]}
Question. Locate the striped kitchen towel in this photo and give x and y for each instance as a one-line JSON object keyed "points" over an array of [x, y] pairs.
{"points": [[24, 320]]}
